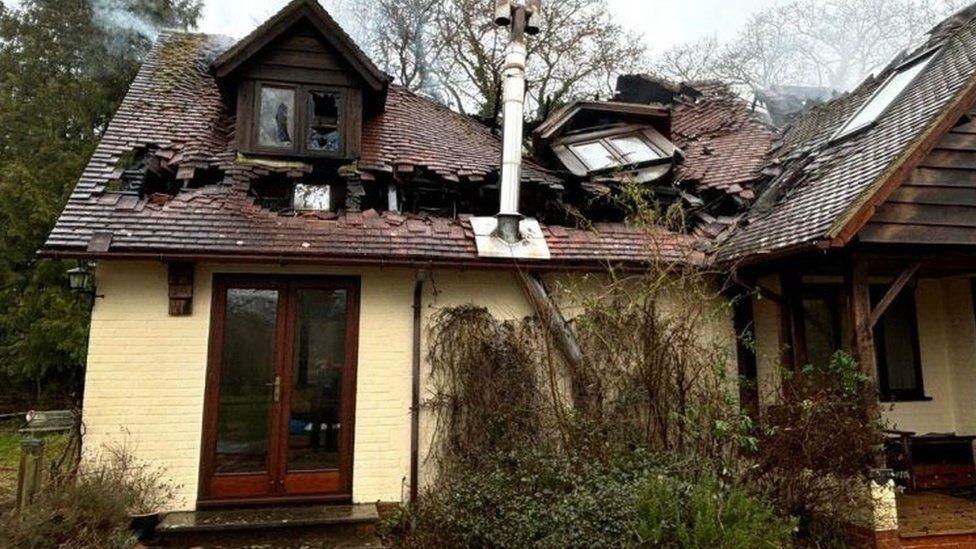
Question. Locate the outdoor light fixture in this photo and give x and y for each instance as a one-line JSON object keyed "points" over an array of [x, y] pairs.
{"points": [[82, 280], [79, 278]]}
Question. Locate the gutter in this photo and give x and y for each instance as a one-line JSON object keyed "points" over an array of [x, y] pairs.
{"points": [[348, 261]]}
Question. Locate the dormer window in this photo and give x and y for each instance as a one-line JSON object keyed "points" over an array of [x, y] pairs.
{"points": [[595, 155], [277, 118], [634, 149], [304, 88], [323, 131], [615, 150], [310, 127]]}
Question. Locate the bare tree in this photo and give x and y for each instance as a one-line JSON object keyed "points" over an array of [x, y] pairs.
{"points": [[827, 43], [452, 51]]}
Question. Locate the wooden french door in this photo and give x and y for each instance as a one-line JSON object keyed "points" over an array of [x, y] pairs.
{"points": [[281, 385]]}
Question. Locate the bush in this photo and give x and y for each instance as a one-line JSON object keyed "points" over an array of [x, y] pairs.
{"points": [[817, 448], [90, 509], [543, 498], [534, 498], [705, 514]]}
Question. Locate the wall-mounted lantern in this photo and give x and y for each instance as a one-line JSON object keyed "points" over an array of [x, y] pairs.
{"points": [[81, 280]]}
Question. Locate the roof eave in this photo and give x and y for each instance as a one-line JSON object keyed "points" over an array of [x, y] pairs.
{"points": [[596, 265]]}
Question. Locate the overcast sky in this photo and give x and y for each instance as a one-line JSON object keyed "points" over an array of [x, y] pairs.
{"points": [[663, 23]]}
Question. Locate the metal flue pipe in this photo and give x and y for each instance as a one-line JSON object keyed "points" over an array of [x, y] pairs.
{"points": [[522, 20]]}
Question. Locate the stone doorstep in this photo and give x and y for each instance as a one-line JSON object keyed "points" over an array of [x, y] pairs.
{"points": [[225, 520]]}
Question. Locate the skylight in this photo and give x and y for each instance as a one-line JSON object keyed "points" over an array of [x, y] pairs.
{"points": [[884, 96]]}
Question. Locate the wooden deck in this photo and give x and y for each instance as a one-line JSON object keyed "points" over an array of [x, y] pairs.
{"points": [[936, 520]]}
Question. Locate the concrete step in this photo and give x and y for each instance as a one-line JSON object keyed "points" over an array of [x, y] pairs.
{"points": [[312, 527]]}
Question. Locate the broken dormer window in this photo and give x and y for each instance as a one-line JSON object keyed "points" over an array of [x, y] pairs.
{"points": [[614, 151], [634, 149], [323, 131], [297, 120], [596, 155], [312, 197]]}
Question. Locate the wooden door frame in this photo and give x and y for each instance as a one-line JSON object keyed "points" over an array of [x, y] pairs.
{"points": [[286, 286]]}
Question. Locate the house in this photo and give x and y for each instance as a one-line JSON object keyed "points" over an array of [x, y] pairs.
{"points": [[864, 239], [274, 222]]}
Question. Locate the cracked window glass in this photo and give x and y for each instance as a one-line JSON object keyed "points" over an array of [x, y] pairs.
{"points": [[277, 117]]}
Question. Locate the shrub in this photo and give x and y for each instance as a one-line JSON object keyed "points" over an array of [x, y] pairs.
{"points": [[533, 498], [817, 448], [89, 509], [705, 514]]}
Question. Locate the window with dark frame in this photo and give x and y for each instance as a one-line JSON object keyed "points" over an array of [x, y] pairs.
{"points": [[897, 348], [323, 127], [822, 307], [298, 119], [895, 336], [276, 126]]}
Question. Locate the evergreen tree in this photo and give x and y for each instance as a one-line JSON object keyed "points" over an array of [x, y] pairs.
{"points": [[64, 67]]}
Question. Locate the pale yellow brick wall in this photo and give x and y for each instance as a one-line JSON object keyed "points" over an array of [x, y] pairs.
{"points": [[146, 370], [767, 342]]}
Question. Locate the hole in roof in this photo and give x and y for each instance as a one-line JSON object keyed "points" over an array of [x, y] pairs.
{"points": [[884, 96]]}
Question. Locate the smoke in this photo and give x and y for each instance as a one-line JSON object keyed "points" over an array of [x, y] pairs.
{"points": [[117, 17]]}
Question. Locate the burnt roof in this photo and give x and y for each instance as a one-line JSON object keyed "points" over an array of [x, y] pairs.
{"points": [[175, 107], [724, 141], [824, 187]]}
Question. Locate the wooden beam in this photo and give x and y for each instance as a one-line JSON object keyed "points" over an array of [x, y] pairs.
{"points": [[893, 292], [555, 323], [744, 322], [856, 284]]}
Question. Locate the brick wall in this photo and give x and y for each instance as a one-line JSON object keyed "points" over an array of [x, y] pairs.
{"points": [[146, 370]]}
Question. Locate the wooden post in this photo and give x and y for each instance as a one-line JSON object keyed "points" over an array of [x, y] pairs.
{"points": [[31, 471], [862, 339]]}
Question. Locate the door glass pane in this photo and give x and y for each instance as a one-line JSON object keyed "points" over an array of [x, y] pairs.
{"points": [[821, 330], [277, 117], [898, 343], [247, 372], [315, 423]]}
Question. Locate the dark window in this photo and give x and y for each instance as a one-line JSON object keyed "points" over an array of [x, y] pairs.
{"points": [[323, 130], [821, 322], [897, 349]]}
